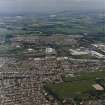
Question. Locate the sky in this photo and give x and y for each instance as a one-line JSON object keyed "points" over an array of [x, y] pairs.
{"points": [[12, 6]]}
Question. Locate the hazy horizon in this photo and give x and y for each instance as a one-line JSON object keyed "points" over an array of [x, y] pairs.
{"points": [[19, 6]]}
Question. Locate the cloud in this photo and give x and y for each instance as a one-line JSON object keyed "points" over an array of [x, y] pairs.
{"points": [[48, 5]]}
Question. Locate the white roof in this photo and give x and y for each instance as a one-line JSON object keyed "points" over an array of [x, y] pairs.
{"points": [[97, 54], [98, 87], [78, 52], [30, 49], [36, 59], [18, 46], [49, 50], [1, 65]]}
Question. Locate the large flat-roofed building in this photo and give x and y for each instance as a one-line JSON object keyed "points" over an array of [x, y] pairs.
{"points": [[78, 52], [96, 54], [50, 50], [98, 87]]}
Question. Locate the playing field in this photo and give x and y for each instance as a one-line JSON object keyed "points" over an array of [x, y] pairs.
{"points": [[80, 86]]}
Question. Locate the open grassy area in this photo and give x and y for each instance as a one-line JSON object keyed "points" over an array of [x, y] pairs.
{"points": [[83, 57], [4, 48], [68, 90], [80, 87], [85, 76]]}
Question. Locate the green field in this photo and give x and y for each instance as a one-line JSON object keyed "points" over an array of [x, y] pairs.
{"points": [[67, 90], [83, 57], [85, 76], [79, 87]]}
